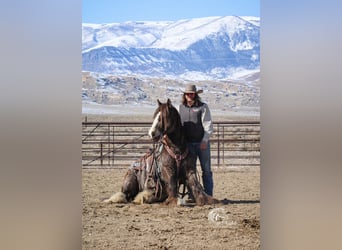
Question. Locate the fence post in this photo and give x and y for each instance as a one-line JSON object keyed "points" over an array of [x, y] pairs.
{"points": [[223, 127], [113, 144], [101, 154], [108, 147], [218, 145]]}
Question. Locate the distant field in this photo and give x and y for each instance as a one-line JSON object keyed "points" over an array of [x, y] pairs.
{"points": [[129, 113]]}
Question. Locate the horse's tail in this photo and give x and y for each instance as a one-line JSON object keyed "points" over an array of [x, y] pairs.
{"points": [[118, 197]]}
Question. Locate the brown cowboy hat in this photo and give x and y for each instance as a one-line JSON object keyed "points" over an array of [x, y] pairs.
{"points": [[192, 89]]}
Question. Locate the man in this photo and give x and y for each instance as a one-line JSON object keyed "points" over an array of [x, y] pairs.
{"points": [[198, 127]]}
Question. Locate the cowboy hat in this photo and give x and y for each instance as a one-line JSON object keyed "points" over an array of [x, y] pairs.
{"points": [[192, 89]]}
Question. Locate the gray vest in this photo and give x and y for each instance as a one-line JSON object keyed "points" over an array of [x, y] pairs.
{"points": [[192, 122]]}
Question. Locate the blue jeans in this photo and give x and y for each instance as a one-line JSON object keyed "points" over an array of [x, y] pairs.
{"points": [[204, 157]]}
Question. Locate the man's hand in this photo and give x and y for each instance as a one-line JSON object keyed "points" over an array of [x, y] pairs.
{"points": [[203, 145]]}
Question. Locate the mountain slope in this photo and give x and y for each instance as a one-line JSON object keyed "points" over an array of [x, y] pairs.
{"points": [[203, 48]]}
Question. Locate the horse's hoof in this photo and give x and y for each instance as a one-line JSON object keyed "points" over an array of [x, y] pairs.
{"points": [[118, 197], [171, 201], [181, 202]]}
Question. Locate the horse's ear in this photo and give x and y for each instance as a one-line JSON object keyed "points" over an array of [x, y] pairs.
{"points": [[159, 103], [168, 102]]}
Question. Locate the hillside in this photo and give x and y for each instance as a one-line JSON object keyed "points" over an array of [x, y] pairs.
{"points": [[130, 91]]}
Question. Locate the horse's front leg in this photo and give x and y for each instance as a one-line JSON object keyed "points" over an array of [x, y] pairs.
{"points": [[196, 188], [170, 175]]}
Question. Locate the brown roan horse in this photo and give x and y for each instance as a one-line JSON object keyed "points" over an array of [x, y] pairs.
{"points": [[157, 175]]}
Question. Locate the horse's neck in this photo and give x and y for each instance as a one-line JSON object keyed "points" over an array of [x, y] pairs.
{"points": [[176, 139]]}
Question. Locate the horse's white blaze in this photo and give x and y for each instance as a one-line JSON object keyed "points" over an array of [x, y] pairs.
{"points": [[153, 129]]}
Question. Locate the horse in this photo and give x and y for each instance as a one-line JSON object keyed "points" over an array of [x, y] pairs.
{"points": [[156, 177]]}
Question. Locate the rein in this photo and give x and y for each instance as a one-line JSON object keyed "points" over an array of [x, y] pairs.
{"points": [[167, 118]]}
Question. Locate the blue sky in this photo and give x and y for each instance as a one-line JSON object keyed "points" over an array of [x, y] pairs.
{"points": [[110, 11]]}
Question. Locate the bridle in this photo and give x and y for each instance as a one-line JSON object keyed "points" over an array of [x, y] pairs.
{"points": [[164, 141]]}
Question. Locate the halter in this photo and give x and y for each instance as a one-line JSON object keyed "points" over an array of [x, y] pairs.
{"points": [[163, 141]]}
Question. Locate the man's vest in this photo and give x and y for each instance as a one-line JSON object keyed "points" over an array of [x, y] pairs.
{"points": [[192, 122]]}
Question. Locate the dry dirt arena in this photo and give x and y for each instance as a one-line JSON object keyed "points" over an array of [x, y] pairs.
{"points": [[233, 224]]}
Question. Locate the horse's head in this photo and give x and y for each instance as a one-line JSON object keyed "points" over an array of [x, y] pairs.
{"points": [[166, 120]]}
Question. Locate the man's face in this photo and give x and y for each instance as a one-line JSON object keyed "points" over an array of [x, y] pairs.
{"points": [[189, 96]]}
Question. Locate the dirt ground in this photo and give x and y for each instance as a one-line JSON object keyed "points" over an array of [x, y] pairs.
{"points": [[232, 224]]}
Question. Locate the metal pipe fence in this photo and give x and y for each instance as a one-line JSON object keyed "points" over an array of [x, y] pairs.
{"points": [[119, 144]]}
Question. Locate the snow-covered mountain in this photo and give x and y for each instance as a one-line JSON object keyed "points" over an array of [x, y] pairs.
{"points": [[200, 48]]}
